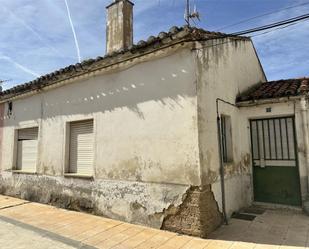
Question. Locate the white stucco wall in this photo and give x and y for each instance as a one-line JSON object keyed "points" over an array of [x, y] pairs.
{"points": [[146, 138], [145, 122], [226, 68]]}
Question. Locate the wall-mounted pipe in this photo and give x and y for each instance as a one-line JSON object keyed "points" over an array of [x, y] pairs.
{"points": [[221, 169]]}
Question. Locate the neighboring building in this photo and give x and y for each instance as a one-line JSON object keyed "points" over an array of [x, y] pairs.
{"points": [[276, 116], [134, 136]]}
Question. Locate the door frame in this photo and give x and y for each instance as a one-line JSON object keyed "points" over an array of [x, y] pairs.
{"points": [[295, 151]]}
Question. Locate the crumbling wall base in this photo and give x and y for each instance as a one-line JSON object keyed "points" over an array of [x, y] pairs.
{"points": [[198, 215], [178, 208]]}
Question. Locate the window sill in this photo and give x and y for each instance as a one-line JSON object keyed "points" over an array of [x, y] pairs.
{"points": [[76, 175], [23, 172]]}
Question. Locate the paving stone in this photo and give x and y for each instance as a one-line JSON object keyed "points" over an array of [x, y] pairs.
{"points": [[220, 244], [138, 239], [243, 245], [275, 229]]}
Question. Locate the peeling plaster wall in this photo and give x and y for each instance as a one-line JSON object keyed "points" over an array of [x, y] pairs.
{"points": [[135, 202], [146, 148], [226, 68]]}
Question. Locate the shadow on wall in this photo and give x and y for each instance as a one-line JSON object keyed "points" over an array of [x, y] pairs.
{"points": [[168, 82]]}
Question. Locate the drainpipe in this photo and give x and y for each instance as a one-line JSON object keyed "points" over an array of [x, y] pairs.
{"points": [[303, 109], [221, 167]]}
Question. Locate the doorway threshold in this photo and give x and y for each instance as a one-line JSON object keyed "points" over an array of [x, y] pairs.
{"points": [[275, 206]]}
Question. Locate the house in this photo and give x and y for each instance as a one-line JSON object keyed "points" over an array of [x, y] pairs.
{"points": [[152, 133], [278, 126]]}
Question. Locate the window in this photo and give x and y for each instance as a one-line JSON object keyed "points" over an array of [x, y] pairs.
{"points": [[81, 148], [226, 136], [27, 149], [10, 108]]}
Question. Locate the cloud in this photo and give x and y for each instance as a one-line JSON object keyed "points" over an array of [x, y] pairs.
{"points": [[282, 52], [73, 31], [26, 26], [19, 66], [38, 36]]}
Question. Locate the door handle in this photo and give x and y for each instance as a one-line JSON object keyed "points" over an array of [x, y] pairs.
{"points": [[262, 163]]}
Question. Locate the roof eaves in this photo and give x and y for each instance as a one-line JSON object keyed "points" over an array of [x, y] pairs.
{"points": [[276, 89], [174, 36], [256, 102]]}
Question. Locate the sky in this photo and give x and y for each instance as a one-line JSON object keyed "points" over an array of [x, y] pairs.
{"points": [[37, 38]]}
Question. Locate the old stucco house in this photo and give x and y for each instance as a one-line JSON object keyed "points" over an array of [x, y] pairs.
{"points": [[176, 132]]}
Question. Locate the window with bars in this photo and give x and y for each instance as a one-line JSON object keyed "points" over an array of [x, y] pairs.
{"points": [[226, 139]]}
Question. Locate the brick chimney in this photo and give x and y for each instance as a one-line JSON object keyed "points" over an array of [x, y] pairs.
{"points": [[119, 30]]}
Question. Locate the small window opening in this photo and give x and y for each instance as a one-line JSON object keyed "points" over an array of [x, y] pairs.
{"points": [[10, 108], [226, 137]]}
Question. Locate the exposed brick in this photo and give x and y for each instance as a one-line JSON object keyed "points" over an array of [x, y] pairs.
{"points": [[198, 215]]}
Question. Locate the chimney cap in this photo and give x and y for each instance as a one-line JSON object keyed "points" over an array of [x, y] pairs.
{"points": [[117, 1]]}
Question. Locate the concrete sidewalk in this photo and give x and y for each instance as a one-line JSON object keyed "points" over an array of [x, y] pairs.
{"points": [[80, 230], [17, 237], [274, 229], [88, 231]]}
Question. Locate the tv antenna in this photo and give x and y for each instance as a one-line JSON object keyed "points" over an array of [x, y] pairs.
{"points": [[191, 15]]}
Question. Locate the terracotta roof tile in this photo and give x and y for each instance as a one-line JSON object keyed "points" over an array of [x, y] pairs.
{"points": [[276, 89]]}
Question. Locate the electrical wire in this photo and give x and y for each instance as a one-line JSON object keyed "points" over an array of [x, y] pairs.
{"points": [[266, 14], [272, 25], [286, 26], [264, 33]]}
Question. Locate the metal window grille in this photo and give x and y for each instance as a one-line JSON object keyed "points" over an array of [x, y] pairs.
{"points": [[273, 139]]}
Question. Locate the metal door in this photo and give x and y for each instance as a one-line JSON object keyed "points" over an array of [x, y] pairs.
{"points": [[81, 147], [275, 169]]}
